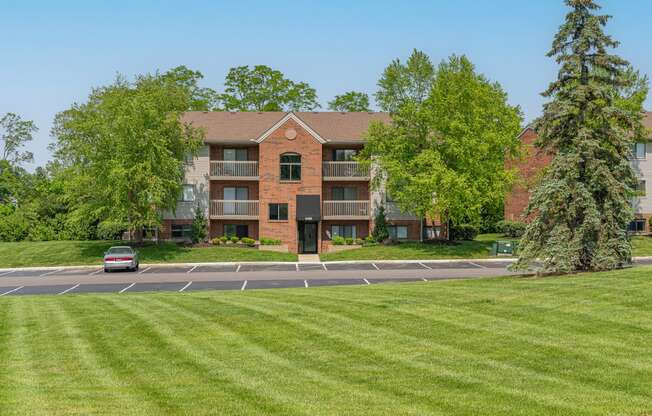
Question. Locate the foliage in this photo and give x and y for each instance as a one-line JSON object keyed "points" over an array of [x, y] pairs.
{"points": [[338, 240], [122, 152], [405, 85], [443, 157], [380, 232], [198, 231], [14, 134], [464, 232], [583, 205], [248, 241], [110, 231], [514, 229], [234, 239], [269, 242], [351, 101], [262, 88]]}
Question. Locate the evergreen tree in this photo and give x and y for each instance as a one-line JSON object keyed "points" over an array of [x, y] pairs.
{"points": [[198, 227], [582, 207], [380, 232]]}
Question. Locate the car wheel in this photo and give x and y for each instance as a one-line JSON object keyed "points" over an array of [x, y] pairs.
{"points": [[106, 270]]}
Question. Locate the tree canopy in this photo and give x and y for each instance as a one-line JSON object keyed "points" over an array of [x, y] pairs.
{"points": [[262, 88], [14, 134], [405, 84], [443, 155], [582, 206], [350, 101]]}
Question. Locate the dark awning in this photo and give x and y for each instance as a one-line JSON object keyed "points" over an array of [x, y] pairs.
{"points": [[308, 208]]}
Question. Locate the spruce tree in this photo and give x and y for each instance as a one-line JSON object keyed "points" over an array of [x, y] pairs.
{"points": [[582, 206]]}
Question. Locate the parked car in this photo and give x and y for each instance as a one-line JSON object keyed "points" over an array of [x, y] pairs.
{"points": [[120, 258]]}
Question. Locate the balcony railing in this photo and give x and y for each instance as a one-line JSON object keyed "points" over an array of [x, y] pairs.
{"points": [[232, 209], [337, 171], [346, 210], [234, 169]]}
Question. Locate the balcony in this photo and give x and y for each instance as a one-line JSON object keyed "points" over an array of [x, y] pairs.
{"points": [[345, 171], [234, 210], [346, 210], [244, 170]]}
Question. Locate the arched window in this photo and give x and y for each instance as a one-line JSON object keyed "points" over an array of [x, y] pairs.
{"points": [[290, 167]]}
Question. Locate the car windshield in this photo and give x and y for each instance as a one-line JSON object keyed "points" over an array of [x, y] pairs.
{"points": [[120, 250]]}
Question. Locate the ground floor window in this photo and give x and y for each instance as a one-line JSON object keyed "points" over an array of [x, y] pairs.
{"points": [[398, 232], [278, 212], [181, 230], [345, 231], [637, 226], [238, 230]]}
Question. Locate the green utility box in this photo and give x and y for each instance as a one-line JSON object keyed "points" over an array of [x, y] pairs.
{"points": [[504, 248]]}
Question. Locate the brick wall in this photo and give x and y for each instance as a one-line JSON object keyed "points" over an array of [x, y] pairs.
{"points": [[165, 233], [272, 190]]}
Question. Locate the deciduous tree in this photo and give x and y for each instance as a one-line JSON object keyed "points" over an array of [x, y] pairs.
{"points": [[351, 101], [15, 133]]}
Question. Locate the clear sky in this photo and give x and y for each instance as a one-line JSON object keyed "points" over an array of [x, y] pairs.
{"points": [[53, 52]]}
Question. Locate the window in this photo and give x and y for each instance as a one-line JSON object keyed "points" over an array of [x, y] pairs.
{"points": [[238, 230], [290, 167], [188, 159], [187, 193], [641, 188], [639, 150], [345, 231], [398, 232], [278, 212], [181, 230], [235, 154], [236, 194], [637, 226], [342, 155], [345, 194]]}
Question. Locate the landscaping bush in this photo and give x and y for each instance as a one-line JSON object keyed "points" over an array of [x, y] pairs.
{"points": [[464, 232], [514, 229], [349, 241], [359, 241], [198, 230], [234, 239], [338, 241], [369, 242], [248, 241], [224, 239], [269, 242], [216, 241]]}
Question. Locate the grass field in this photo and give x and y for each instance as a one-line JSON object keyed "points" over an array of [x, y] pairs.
{"points": [[72, 253], [555, 346]]}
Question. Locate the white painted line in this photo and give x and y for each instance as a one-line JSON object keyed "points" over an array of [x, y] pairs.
{"points": [[244, 285], [305, 282], [425, 266], [477, 265], [96, 272], [296, 265], [49, 273], [374, 264], [143, 271], [324, 266], [238, 268], [366, 281], [424, 279], [185, 287], [127, 288], [68, 290], [193, 268], [11, 291], [6, 273]]}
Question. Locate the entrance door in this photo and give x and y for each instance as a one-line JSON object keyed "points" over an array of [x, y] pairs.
{"points": [[308, 237]]}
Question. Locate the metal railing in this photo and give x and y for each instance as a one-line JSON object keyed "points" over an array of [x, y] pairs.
{"points": [[345, 170], [234, 209], [346, 210], [234, 169]]}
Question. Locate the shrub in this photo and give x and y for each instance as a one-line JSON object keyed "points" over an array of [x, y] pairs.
{"points": [[338, 241], [359, 241], [234, 239], [216, 241], [349, 241], [512, 229], [269, 242], [380, 232], [224, 239], [198, 227], [369, 242], [464, 232], [248, 241], [110, 230]]}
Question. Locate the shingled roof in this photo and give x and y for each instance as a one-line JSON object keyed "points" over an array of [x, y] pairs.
{"points": [[234, 127]]}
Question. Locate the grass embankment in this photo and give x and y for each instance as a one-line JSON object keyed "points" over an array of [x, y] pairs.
{"points": [[556, 346], [71, 253]]}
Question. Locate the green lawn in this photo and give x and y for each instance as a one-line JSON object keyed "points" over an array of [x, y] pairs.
{"points": [[71, 253], [416, 251], [550, 346]]}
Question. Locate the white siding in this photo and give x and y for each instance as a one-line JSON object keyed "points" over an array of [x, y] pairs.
{"points": [[643, 170], [197, 173]]}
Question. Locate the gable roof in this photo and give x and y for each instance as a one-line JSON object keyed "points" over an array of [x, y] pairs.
{"points": [[244, 127], [291, 116]]}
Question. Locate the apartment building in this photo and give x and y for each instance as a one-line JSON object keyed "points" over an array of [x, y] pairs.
{"points": [[286, 176], [535, 159]]}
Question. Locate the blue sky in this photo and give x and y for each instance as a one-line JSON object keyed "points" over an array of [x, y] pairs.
{"points": [[53, 53]]}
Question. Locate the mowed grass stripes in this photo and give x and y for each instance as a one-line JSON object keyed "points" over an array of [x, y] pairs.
{"points": [[576, 345]]}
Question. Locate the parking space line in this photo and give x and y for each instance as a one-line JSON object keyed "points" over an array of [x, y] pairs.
{"points": [[6, 273], [296, 266], [127, 288], [324, 266], [193, 268], [186, 286], [68, 290], [366, 281], [49, 273], [12, 291], [424, 279], [244, 285], [143, 271], [238, 268], [305, 282], [477, 265], [425, 266], [96, 272], [376, 267]]}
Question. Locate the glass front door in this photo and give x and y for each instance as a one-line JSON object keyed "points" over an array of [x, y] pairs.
{"points": [[308, 237]]}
